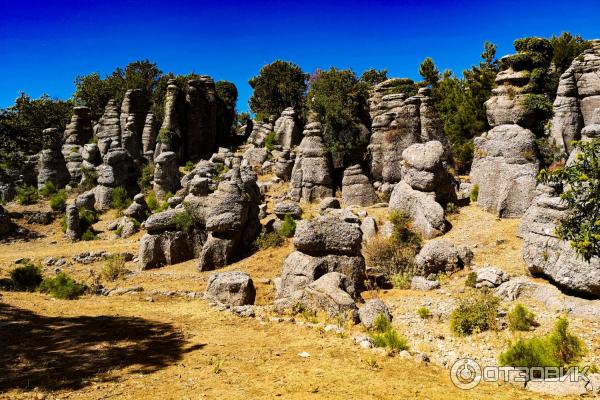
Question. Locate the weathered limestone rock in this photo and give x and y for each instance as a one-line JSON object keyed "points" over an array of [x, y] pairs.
{"points": [[132, 121], [166, 174], [442, 256], [287, 208], [73, 231], [356, 188], [255, 156], [124, 227], [260, 131], [79, 129], [371, 310], [505, 168], [149, 137], [490, 277], [170, 136], [422, 283], [114, 171], [287, 132], [51, 164], [137, 210], [546, 254], [312, 172], [577, 103], [86, 201], [232, 288], [368, 227], [329, 203], [108, 130], [284, 164], [201, 112], [327, 235], [169, 247]]}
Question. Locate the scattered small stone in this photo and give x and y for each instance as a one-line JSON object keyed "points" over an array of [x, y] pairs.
{"points": [[304, 354]]}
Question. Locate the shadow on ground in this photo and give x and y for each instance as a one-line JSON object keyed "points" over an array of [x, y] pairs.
{"points": [[69, 352]]}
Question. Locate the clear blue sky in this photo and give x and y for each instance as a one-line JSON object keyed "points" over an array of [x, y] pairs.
{"points": [[45, 44]]}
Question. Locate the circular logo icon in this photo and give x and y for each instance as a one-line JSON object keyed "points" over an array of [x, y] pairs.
{"points": [[465, 373]]}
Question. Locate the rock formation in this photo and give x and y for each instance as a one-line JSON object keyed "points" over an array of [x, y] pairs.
{"points": [[286, 129], [232, 288], [166, 174], [132, 121], [170, 136], [577, 102], [284, 164], [260, 131], [312, 173], [52, 166], [72, 221], [77, 134], [149, 137], [113, 172], [425, 189], [201, 113], [108, 130], [356, 188]]}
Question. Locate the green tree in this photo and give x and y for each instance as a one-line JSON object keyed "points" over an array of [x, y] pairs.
{"points": [[142, 74], [429, 72], [581, 183], [565, 48], [94, 92], [278, 85], [372, 76]]}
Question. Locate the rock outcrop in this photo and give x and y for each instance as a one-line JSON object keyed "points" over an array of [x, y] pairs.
{"points": [[113, 172], [546, 254], [108, 130], [312, 173], [577, 102], [287, 132], [201, 113], [52, 166], [260, 131], [166, 174], [425, 189], [77, 133], [232, 288], [170, 136], [149, 137], [72, 222], [134, 109], [284, 164], [442, 256], [357, 190]]}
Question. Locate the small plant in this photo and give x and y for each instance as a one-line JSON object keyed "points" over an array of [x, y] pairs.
{"points": [[269, 239], [401, 280], [48, 189], [63, 224], [183, 221], [270, 141], [164, 136], [146, 177], [26, 277], [220, 169], [119, 231], [451, 208], [520, 319], [557, 349], [120, 199], [188, 166], [424, 312], [58, 201], [62, 286], [114, 268], [475, 313], [372, 363], [26, 195], [471, 280], [157, 206], [288, 229], [386, 336], [88, 235], [474, 193]]}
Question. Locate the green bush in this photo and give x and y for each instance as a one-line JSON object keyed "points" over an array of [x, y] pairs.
{"points": [[474, 193], [48, 189], [401, 280], [424, 312], [475, 313], [269, 239], [270, 141], [87, 218], [386, 336], [62, 286], [221, 169], [520, 318], [114, 268], [26, 195], [26, 277], [557, 349], [88, 235], [63, 224], [288, 229], [58, 201], [188, 166], [120, 199], [183, 220], [471, 280], [146, 177], [157, 206]]}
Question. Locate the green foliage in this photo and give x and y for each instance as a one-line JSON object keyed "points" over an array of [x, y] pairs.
{"points": [[62, 286], [88, 235], [48, 189], [557, 349], [451, 208], [87, 218], [26, 195], [565, 48], [269, 239], [183, 220], [288, 229], [386, 336], [474, 193], [58, 201], [270, 141], [220, 169], [278, 85], [540, 107], [114, 268], [401, 230], [157, 206], [63, 224], [581, 194], [26, 277], [188, 166], [471, 280], [401, 280], [227, 95], [424, 312], [429, 72], [164, 136], [339, 101], [146, 177], [402, 85], [372, 76], [120, 199], [475, 313], [520, 318]]}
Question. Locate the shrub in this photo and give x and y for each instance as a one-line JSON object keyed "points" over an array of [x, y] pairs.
{"points": [[424, 312], [386, 336], [26, 277], [114, 268], [183, 220], [474, 193], [62, 286], [269, 239], [475, 313], [401, 232], [146, 177], [520, 318], [557, 349], [471, 280], [63, 224], [120, 199], [221, 169], [270, 141], [88, 235], [157, 206], [58, 201], [188, 166], [26, 195], [48, 189], [401, 280], [451, 208], [288, 229]]}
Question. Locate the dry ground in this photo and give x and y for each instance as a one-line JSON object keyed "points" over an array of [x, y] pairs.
{"points": [[144, 347]]}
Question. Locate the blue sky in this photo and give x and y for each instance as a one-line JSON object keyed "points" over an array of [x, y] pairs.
{"points": [[44, 45]]}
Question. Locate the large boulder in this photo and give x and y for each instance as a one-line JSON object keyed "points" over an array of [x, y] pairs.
{"points": [[356, 188], [327, 235], [52, 166], [165, 248], [371, 310], [166, 174], [232, 288], [108, 130], [286, 129], [442, 256]]}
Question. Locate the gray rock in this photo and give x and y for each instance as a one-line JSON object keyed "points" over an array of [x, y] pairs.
{"points": [[368, 228], [255, 156], [490, 277], [287, 132], [329, 203], [166, 174], [441, 256], [371, 310], [233, 288], [287, 208], [166, 248], [422, 283], [73, 232], [86, 200], [327, 235], [356, 188]]}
